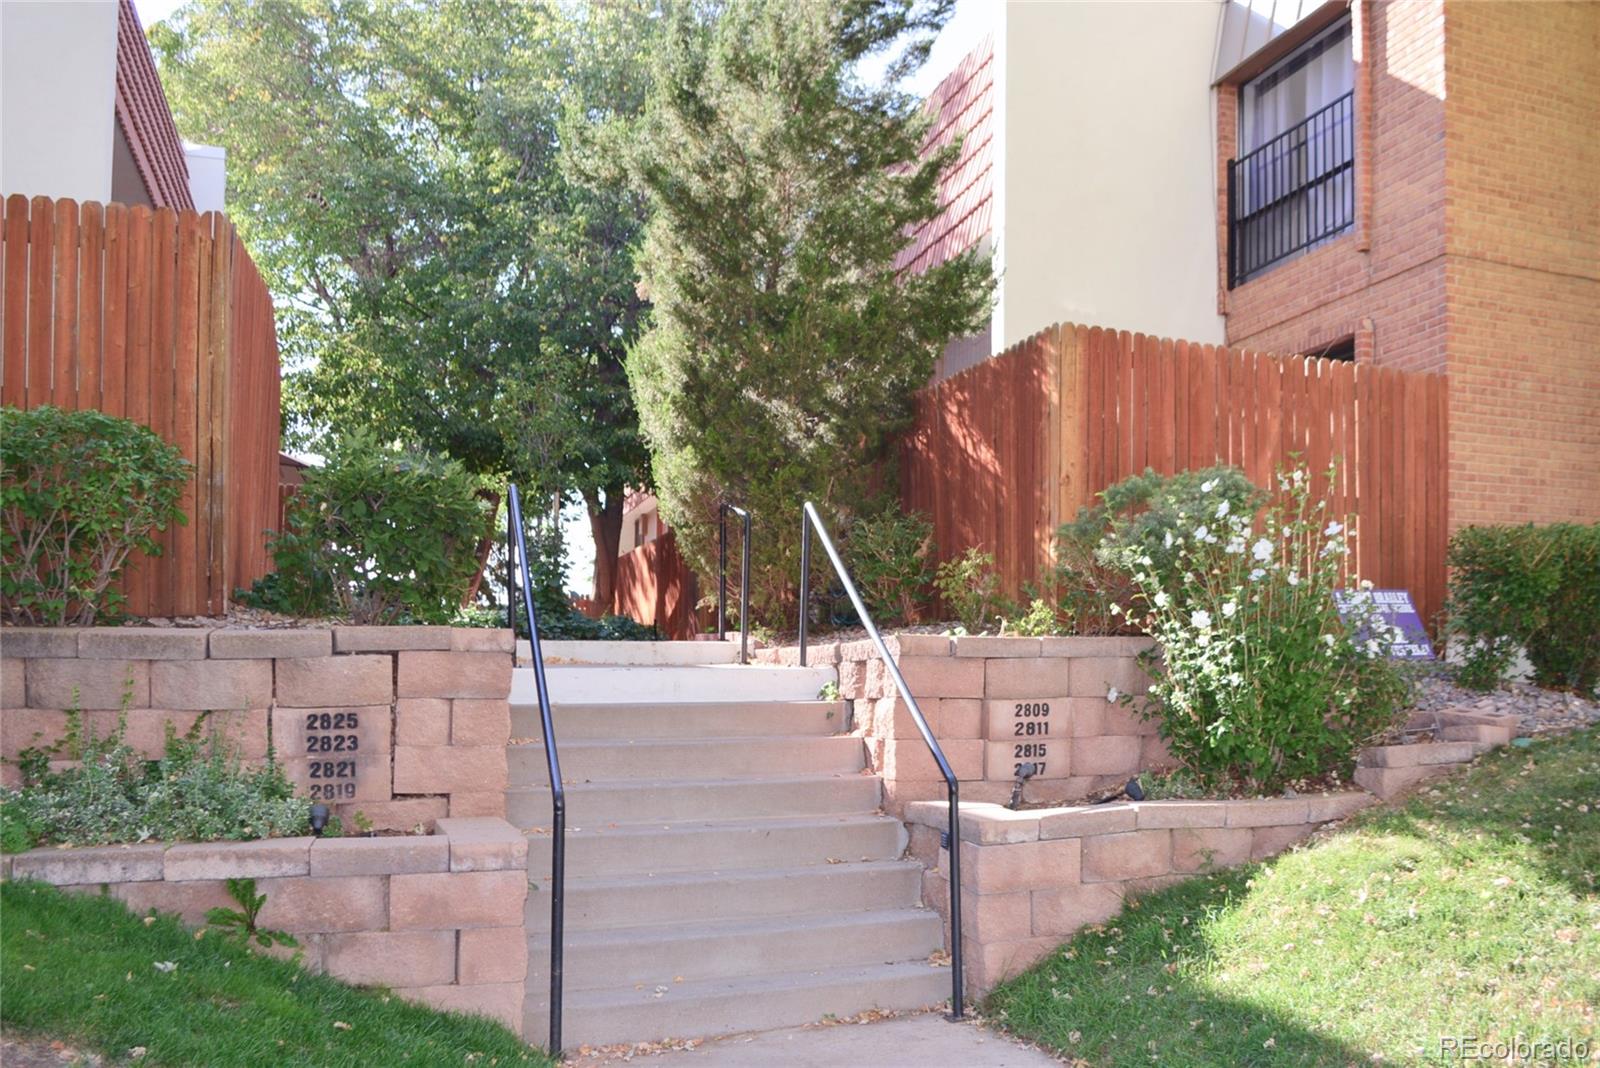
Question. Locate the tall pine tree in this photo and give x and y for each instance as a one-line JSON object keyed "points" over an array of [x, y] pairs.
{"points": [[783, 347]]}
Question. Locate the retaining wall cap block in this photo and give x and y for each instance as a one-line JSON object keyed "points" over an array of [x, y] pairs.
{"points": [[389, 855], [914, 645], [90, 684], [1338, 806], [1086, 820], [1075, 646], [142, 643], [266, 858], [332, 681], [316, 906], [483, 843], [395, 959], [95, 864], [1268, 812], [211, 684], [271, 644], [426, 674], [996, 646], [1127, 855], [457, 900], [482, 640], [1154, 815], [30, 642], [389, 639], [1408, 756], [1389, 783]]}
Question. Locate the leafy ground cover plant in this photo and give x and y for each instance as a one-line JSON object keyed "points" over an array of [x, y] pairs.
{"points": [[198, 791], [1468, 912], [79, 492], [378, 534], [969, 586], [1258, 680], [1531, 588], [242, 923], [213, 1002], [890, 556]]}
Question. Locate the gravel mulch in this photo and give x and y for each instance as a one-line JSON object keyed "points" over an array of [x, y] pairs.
{"points": [[1540, 711]]}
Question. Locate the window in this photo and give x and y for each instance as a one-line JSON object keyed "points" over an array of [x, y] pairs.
{"points": [[1293, 186]]}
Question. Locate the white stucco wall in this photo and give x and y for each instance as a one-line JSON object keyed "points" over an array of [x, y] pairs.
{"points": [[58, 65], [1106, 174], [208, 175]]}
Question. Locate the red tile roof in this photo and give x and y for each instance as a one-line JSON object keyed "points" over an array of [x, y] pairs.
{"points": [[962, 105], [145, 118]]}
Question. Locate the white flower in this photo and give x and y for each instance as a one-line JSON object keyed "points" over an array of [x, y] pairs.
{"points": [[1208, 485], [1112, 694], [1146, 561], [1235, 546], [1203, 532], [1201, 618], [1372, 647], [1256, 574], [1333, 528], [1223, 509], [1293, 577], [1161, 599], [1116, 609], [1235, 679], [1262, 550], [1228, 609], [1166, 542], [1366, 584]]}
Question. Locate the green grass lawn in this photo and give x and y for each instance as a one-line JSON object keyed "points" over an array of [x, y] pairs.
{"points": [[1471, 911], [82, 969]]}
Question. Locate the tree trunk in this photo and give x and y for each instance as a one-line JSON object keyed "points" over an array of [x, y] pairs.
{"points": [[605, 523]]}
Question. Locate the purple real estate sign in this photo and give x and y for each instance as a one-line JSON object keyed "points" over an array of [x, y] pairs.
{"points": [[1394, 607]]}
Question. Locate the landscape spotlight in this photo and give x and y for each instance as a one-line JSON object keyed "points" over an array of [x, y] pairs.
{"points": [[319, 819]]}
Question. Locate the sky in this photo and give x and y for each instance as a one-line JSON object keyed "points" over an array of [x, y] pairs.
{"points": [[971, 20]]}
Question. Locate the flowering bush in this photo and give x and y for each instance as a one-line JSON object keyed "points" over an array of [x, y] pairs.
{"points": [[1258, 680]]}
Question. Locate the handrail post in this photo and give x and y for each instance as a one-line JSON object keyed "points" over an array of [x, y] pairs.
{"points": [[558, 797], [805, 580], [744, 593], [722, 572]]}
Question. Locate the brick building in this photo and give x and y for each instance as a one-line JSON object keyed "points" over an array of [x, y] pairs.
{"points": [[1410, 182]]}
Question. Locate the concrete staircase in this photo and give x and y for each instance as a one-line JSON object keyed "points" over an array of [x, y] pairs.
{"points": [[728, 868]]}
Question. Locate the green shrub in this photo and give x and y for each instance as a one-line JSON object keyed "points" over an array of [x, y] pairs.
{"points": [[1258, 681], [380, 535], [1530, 588], [1085, 588], [79, 491], [1037, 622], [969, 586], [890, 557], [198, 791]]}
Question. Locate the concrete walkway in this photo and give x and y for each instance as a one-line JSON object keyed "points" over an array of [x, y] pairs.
{"points": [[925, 1041]]}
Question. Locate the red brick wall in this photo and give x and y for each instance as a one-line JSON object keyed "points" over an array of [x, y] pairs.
{"points": [[1477, 244], [1523, 282]]}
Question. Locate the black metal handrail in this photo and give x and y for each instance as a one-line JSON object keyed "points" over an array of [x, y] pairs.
{"points": [[519, 577], [1271, 213], [744, 579], [952, 837]]}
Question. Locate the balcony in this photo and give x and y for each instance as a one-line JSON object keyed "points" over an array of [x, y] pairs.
{"points": [[1292, 193]]}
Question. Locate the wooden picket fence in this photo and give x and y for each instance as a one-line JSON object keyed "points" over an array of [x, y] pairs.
{"points": [[160, 317], [656, 586], [1007, 451]]}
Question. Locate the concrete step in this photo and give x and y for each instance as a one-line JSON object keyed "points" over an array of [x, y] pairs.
{"points": [[595, 803], [589, 760], [719, 719], [724, 949], [660, 654], [693, 897], [724, 845], [597, 684], [725, 1006]]}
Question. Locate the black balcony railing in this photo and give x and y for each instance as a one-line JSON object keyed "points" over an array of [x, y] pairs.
{"points": [[1293, 192]]}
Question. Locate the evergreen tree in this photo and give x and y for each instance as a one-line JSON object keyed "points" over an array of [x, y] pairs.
{"points": [[784, 347]]}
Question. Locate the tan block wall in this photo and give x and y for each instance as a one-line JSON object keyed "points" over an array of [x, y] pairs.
{"points": [[438, 919], [1522, 134], [984, 697], [1030, 879], [401, 724]]}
